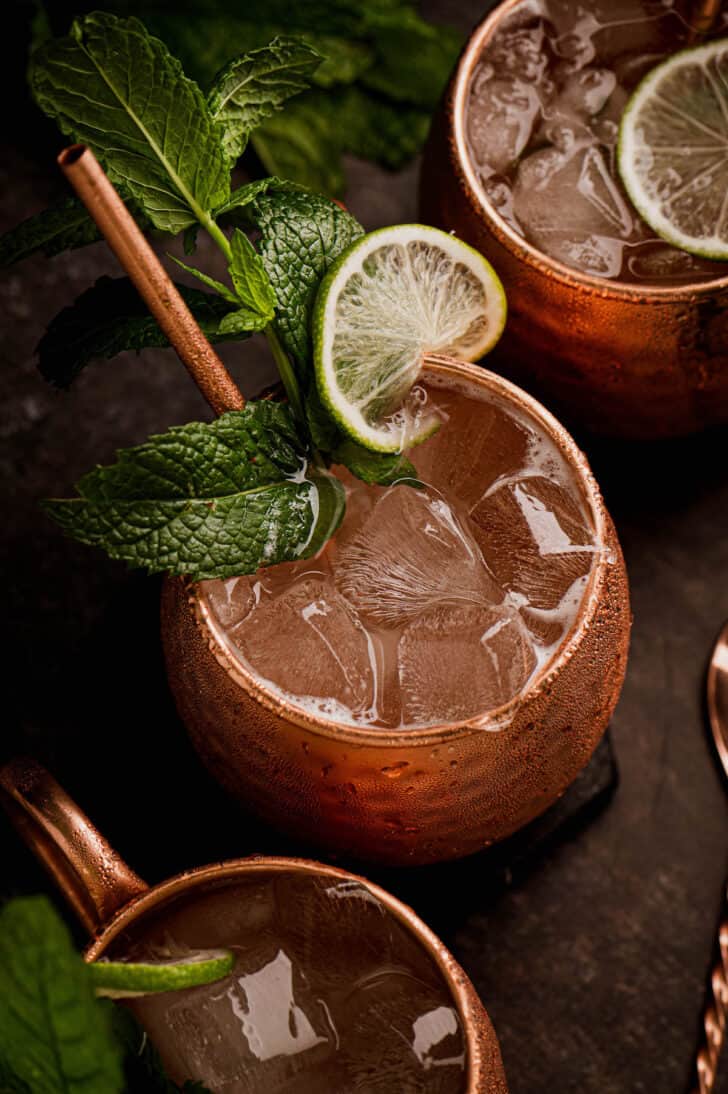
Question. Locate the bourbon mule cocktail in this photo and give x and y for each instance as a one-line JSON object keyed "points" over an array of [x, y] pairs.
{"points": [[443, 669]]}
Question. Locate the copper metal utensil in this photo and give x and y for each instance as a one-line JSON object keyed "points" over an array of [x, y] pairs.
{"points": [[716, 1007]]}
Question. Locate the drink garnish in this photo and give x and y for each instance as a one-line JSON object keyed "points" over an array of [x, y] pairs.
{"points": [[673, 149], [131, 979], [391, 297], [253, 489]]}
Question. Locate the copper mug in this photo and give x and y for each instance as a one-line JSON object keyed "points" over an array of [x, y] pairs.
{"points": [[628, 360], [409, 796], [111, 900]]}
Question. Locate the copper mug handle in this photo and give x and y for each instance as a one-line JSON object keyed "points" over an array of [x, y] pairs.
{"points": [[95, 881]]}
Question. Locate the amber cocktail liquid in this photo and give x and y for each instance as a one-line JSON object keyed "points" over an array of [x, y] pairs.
{"points": [[431, 605], [330, 993], [543, 113]]}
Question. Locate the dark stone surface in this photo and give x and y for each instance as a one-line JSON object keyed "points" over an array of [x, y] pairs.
{"points": [[592, 961]]}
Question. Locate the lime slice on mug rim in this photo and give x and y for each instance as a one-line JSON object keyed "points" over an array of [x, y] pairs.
{"points": [[129, 979], [673, 150], [391, 297]]}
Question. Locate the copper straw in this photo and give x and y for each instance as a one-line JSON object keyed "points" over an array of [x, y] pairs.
{"points": [[121, 232]]}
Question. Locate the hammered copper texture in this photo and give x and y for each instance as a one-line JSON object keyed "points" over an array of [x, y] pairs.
{"points": [[624, 360], [405, 797]]}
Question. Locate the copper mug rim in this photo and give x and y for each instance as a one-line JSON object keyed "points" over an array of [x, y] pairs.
{"points": [[441, 366], [107, 895], [508, 237]]}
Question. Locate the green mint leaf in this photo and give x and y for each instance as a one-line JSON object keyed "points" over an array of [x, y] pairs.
{"points": [[374, 129], [242, 321], [302, 144], [58, 228], [324, 431], [54, 1037], [301, 235], [9, 1083], [209, 500], [111, 317], [234, 209], [414, 58], [375, 467], [117, 89], [250, 279], [222, 290], [252, 87], [343, 61], [62, 227]]}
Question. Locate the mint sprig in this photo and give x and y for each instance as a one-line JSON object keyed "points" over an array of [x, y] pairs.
{"points": [[54, 1037], [251, 489], [113, 86], [209, 500]]}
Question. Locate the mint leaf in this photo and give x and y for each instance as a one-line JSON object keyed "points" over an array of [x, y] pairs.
{"points": [[53, 1035], [117, 89], [61, 227], [302, 145], [254, 86], [374, 129], [234, 207], [343, 61], [58, 228], [414, 58], [209, 500], [375, 467], [242, 320], [250, 279], [301, 235], [218, 287], [111, 317]]}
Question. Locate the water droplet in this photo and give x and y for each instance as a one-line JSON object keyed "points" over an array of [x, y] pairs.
{"points": [[394, 771]]}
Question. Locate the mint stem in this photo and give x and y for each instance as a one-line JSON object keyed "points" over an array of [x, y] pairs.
{"points": [[280, 356], [287, 374], [219, 236]]}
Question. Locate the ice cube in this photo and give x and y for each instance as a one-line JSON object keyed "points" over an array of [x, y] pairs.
{"points": [[457, 662], [418, 1040], [507, 96], [478, 444], [260, 1028], [535, 538], [310, 643], [412, 555], [583, 95], [360, 934], [502, 113], [230, 600], [572, 209]]}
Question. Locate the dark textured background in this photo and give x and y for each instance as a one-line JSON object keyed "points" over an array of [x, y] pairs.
{"points": [[592, 963]]}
